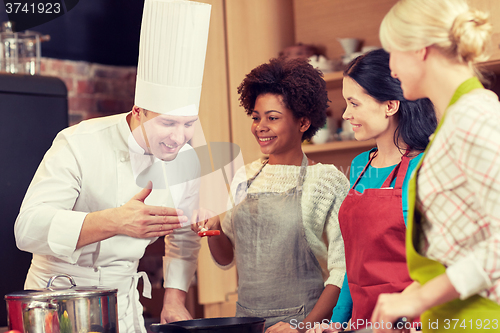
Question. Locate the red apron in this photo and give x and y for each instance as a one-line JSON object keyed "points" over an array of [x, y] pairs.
{"points": [[373, 230]]}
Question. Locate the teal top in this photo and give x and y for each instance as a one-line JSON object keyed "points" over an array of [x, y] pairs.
{"points": [[372, 178]]}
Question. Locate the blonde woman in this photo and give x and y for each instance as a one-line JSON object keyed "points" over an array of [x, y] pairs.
{"points": [[453, 235]]}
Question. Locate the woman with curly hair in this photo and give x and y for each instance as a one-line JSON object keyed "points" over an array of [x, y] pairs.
{"points": [[283, 233]]}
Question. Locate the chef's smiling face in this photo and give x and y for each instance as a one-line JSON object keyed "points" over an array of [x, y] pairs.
{"points": [[366, 114], [163, 135]]}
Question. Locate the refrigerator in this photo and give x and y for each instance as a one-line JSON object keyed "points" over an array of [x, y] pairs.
{"points": [[33, 110]]}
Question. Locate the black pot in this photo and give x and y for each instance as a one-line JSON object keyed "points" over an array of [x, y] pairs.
{"points": [[213, 325]]}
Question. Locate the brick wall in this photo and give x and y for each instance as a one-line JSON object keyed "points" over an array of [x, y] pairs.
{"points": [[94, 90]]}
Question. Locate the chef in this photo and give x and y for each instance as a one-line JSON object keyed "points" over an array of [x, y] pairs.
{"points": [[108, 187]]}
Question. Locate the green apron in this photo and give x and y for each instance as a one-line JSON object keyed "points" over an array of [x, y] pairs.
{"points": [[476, 313]]}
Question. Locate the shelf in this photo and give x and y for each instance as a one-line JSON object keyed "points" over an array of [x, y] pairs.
{"points": [[333, 79], [491, 66], [337, 146]]}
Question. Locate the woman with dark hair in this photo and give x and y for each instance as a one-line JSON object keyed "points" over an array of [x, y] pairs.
{"points": [[373, 216], [283, 232]]}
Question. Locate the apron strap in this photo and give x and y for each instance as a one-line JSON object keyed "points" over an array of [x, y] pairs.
{"points": [[400, 171], [250, 181], [303, 169], [146, 288], [374, 150], [146, 292]]}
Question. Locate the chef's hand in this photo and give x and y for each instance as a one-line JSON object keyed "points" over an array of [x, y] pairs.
{"points": [[282, 327], [174, 308], [326, 328], [205, 219], [136, 219]]}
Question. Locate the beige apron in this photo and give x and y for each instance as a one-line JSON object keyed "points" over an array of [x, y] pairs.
{"points": [[279, 277]]}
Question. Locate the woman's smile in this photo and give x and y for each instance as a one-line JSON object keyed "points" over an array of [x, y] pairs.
{"points": [[266, 140], [355, 127], [274, 126]]}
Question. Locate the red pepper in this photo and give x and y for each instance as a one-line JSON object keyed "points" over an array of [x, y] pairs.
{"points": [[209, 233]]}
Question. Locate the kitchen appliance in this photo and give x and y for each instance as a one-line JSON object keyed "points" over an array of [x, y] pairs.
{"points": [[213, 325], [34, 109], [20, 52], [77, 309]]}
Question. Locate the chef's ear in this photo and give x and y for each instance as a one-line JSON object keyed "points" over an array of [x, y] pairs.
{"points": [[305, 123], [136, 112], [139, 113], [392, 108]]}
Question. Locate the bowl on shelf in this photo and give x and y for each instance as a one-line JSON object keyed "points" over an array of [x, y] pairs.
{"points": [[321, 136]]}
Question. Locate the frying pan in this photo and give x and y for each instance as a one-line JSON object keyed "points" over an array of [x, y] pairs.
{"points": [[213, 325]]}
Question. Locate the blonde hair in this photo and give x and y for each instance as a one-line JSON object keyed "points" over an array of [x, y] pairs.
{"points": [[458, 31]]}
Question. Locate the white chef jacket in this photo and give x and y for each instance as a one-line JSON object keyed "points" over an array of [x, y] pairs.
{"points": [[88, 169]]}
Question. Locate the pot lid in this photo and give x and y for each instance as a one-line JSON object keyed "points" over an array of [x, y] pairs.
{"points": [[7, 34], [52, 293]]}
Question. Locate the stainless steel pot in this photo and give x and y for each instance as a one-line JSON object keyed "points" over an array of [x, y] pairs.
{"points": [[77, 309]]}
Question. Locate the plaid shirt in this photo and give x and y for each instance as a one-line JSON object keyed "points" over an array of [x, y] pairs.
{"points": [[459, 194]]}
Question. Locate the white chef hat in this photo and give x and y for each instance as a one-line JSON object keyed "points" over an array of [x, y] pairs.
{"points": [[172, 48]]}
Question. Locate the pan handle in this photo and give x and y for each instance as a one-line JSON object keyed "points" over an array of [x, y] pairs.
{"points": [[168, 328], [401, 321], [52, 279]]}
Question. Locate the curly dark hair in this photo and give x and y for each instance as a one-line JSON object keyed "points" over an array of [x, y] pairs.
{"points": [[298, 82]]}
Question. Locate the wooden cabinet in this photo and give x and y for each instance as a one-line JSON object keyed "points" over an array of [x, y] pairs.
{"points": [[492, 7], [322, 22]]}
